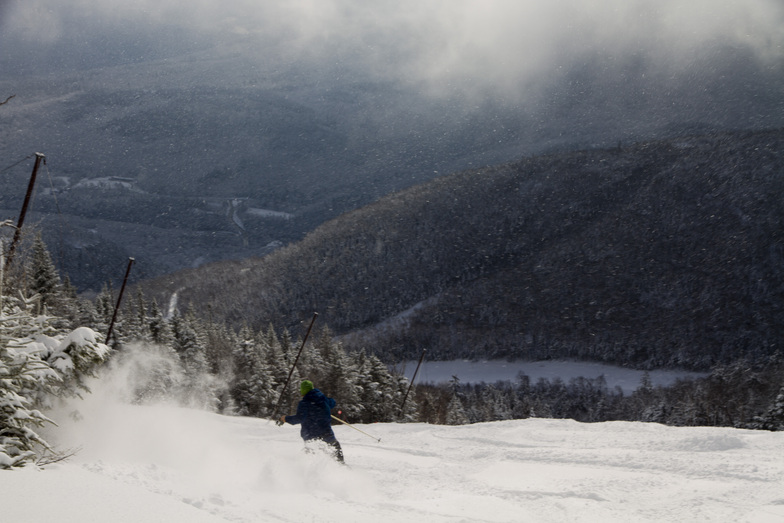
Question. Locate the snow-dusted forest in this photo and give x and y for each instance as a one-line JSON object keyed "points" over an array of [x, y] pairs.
{"points": [[325, 189], [51, 344], [115, 459]]}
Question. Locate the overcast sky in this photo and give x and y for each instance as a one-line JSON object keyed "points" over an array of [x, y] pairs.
{"points": [[360, 97], [435, 45]]}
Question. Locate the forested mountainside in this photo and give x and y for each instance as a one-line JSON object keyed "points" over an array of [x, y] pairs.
{"points": [[666, 253], [180, 145]]}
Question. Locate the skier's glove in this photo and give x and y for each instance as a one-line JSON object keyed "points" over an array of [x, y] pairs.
{"points": [[280, 421]]}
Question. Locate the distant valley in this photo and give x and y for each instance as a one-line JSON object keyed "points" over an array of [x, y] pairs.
{"points": [[659, 254]]}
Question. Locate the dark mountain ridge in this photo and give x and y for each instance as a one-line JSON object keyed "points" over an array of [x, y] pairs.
{"points": [[190, 118], [665, 253]]}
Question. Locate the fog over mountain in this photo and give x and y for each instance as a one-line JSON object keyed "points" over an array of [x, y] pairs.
{"points": [[212, 114], [447, 46]]}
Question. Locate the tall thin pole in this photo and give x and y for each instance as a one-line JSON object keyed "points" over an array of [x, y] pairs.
{"points": [[422, 357], [2, 273], [119, 299], [283, 391], [38, 158]]}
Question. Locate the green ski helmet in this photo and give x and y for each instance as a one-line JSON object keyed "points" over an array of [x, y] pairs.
{"points": [[305, 387]]}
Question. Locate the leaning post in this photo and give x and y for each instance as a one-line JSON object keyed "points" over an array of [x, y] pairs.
{"points": [[119, 299], [39, 157], [422, 357]]}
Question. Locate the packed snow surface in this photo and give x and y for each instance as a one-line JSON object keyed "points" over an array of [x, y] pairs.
{"points": [[163, 463]]}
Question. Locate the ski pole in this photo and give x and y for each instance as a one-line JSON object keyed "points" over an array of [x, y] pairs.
{"points": [[353, 427], [282, 392]]}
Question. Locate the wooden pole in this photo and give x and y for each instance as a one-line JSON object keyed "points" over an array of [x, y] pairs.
{"points": [[38, 158], [119, 299]]}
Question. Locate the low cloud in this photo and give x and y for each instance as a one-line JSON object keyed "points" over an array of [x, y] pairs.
{"points": [[498, 44], [517, 53]]}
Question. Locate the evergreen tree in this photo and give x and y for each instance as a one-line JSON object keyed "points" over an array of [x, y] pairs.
{"points": [[378, 391], [311, 362], [136, 325], [104, 309], [71, 306], [159, 328], [252, 386], [427, 399], [339, 375], [69, 291], [409, 411], [220, 343], [455, 413], [37, 363], [44, 279], [773, 419], [199, 386], [282, 367], [274, 357]]}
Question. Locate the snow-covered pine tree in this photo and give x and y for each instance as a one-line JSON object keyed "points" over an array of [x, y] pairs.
{"points": [[199, 388], [71, 306], [379, 393], [104, 309], [22, 373], [136, 324], [86, 314], [339, 375], [69, 290], [455, 413], [273, 355], [495, 403], [773, 419], [410, 410], [266, 383], [159, 327], [43, 277], [251, 385], [220, 343], [282, 367], [427, 401], [37, 364]]}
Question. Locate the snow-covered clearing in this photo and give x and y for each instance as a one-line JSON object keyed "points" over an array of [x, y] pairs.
{"points": [[490, 371], [266, 213], [161, 463]]}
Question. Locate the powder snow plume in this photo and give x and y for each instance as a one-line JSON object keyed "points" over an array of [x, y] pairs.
{"points": [[198, 454]]}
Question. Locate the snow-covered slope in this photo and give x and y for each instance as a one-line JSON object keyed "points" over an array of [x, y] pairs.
{"points": [[140, 464]]}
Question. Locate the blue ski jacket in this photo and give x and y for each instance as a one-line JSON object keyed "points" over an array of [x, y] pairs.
{"points": [[313, 413]]}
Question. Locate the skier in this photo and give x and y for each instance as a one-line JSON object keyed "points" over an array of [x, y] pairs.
{"points": [[313, 413]]}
